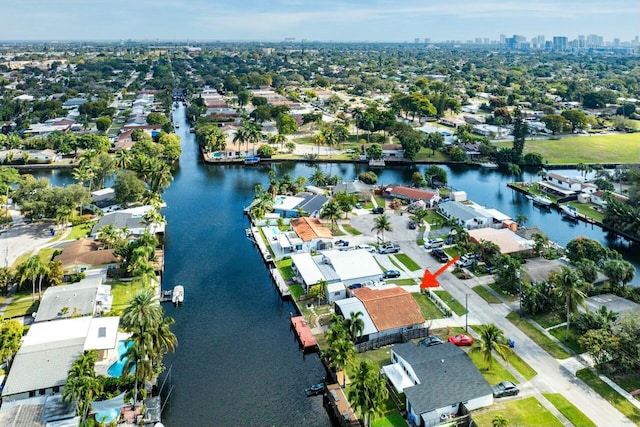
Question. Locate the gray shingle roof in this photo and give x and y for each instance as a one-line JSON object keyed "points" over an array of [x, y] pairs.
{"points": [[78, 297], [447, 376], [458, 210]]}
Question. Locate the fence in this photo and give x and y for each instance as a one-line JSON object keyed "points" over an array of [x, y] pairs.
{"points": [[392, 339]]}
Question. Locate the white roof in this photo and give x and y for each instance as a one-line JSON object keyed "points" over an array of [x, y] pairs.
{"points": [[398, 377], [497, 215], [307, 268], [103, 192], [287, 203], [102, 333], [353, 305], [351, 265], [70, 329], [335, 287]]}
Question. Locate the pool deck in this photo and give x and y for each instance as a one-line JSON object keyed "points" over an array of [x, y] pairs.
{"points": [[112, 356]]}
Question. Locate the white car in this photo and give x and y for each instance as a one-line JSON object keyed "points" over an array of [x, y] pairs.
{"points": [[465, 261], [368, 248]]}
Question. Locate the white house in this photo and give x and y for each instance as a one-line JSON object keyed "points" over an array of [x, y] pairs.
{"points": [[437, 382], [464, 215]]}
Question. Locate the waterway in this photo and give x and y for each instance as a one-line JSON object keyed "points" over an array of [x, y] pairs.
{"points": [[237, 362]]}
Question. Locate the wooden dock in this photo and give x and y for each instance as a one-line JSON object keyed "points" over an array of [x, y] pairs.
{"points": [[305, 336], [283, 289]]}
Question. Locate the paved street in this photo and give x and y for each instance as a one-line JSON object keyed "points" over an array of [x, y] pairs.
{"points": [[553, 375]]}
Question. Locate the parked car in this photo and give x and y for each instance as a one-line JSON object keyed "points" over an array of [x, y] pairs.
{"points": [[433, 243], [378, 210], [368, 248], [431, 340], [358, 206], [465, 261], [505, 388], [412, 225], [461, 340], [389, 248], [342, 243], [390, 274], [440, 255]]}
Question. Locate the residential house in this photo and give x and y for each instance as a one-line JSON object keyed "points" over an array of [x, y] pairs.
{"points": [[291, 206], [81, 255], [491, 131], [49, 349], [311, 232], [563, 186], [508, 241], [439, 383], [89, 297], [103, 197], [453, 121], [132, 219], [359, 188], [464, 215], [389, 151], [412, 195], [387, 310], [41, 411]]}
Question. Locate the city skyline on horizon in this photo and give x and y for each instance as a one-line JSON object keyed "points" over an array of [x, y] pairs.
{"points": [[335, 20]]}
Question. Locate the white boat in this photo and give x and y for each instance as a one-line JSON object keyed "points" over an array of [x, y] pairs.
{"points": [[569, 211], [542, 201], [489, 165], [178, 295]]}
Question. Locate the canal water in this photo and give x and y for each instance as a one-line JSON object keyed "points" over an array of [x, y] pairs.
{"points": [[237, 362]]}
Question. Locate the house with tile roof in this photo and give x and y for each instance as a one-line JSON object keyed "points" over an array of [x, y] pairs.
{"points": [[81, 255], [412, 195], [440, 383]]}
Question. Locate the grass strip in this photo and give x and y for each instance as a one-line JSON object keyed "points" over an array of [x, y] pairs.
{"points": [[521, 366], [609, 394], [486, 294], [408, 262], [498, 371], [21, 307], [451, 302], [523, 412], [284, 267], [351, 230], [402, 282], [538, 336], [427, 307], [566, 408], [570, 340]]}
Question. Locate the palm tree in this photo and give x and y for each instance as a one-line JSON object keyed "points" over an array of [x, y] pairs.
{"points": [[491, 338], [568, 283], [137, 360], [33, 268], [419, 215], [521, 219], [499, 421], [163, 340], [241, 136], [254, 134], [55, 273], [82, 384], [123, 158], [143, 312], [278, 139], [382, 224], [153, 217], [354, 325], [332, 211], [368, 391]]}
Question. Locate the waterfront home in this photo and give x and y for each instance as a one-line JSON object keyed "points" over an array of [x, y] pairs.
{"points": [[389, 151], [359, 188], [335, 291], [412, 195], [508, 241], [132, 219], [453, 121], [348, 267], [49, 349], [598, 198], [89, 297], [81, 255], [464, 215], [103, 197], [491, 131], [41, 411], [311, 232], [439, 382], [564, 186], [305, 203], [386, 310]]}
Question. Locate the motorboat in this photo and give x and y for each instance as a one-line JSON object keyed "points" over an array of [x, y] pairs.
{"points": [[489, 165], [178, 295], [315, 390], [542, 201], [569, 212]]}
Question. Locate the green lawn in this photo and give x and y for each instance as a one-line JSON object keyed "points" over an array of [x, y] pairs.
{"points": [[619, 148], [629, 382], [402, 282], [123, 292], [426, 155], [381, 201], [349, 229], [21, 306], [427, 308], [612, 396], [46, 254], [587, 209], [524, 412], [538, 336], [548, 320], [284, 266], [570, 341], [521, 366], [486, 295], [296, 291], [435, 220], [453, 303], [80, 231], [498, 371], [505, 295], [379, 357], [390, 420], [567, 409], [408, 262]]}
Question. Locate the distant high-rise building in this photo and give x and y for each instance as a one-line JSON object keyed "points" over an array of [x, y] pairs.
{"points": [[502, 38], [560, 43], [487, 41], [616, 42], [478, 40], [416, 40], [427, 40]]}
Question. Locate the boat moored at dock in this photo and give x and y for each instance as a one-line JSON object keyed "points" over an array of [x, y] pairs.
{"points": [[178, 295]]}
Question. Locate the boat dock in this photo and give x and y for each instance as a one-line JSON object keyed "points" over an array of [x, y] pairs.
{"points": [[283, 289], [305, 336]]}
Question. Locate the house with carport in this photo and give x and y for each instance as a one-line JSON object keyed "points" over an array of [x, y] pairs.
{"points": [[440, 383], [412, 195]]}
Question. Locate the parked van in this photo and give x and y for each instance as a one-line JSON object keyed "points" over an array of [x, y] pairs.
{"points": [[433, 243]]}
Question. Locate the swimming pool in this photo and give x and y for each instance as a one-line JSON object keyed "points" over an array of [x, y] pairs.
{"points": [[106, 417], [115, 370]]}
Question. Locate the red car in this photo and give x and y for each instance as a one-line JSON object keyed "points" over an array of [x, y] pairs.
{"points": [[461, 340]]}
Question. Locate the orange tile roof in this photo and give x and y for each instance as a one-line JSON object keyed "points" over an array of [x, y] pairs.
{"points": [[390, 308], [310, 228], [411, 193]]}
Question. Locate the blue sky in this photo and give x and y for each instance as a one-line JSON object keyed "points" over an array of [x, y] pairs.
{"points": [[350, 20]]}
